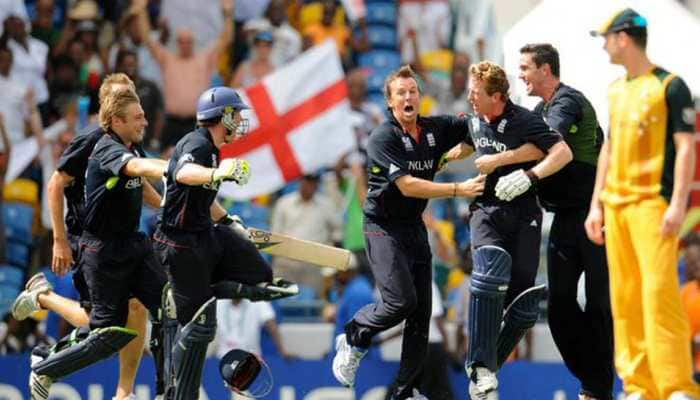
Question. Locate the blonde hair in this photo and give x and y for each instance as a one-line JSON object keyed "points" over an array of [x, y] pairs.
{"points": [[493, 76], [115, 106], [110, 80], [404, 72]]}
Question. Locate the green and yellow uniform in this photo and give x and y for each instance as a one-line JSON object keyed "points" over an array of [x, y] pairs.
{"points": [[652, 346]]}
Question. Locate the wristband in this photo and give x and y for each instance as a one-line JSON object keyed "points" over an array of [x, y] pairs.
{"points": [[532, 176]]}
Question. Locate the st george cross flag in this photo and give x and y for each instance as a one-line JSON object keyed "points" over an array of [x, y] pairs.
{"points": [[299, 123]]}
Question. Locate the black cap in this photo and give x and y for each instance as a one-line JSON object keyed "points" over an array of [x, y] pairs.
{"points": [[624, 20]]}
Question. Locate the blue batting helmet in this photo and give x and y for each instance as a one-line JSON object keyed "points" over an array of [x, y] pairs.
{"points": [[212, 102]]}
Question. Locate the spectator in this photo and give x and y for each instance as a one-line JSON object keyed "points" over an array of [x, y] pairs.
{"points": [[309, 215], [43, 27], [258, 65], [186, 74], [29, 58], [690, 294], [329, 28], [130, 39], [18, 337], [150, 95], [13, 7], [64, 86], [430, 19], [453, 99], [475, 30], [240, 323], [287, 41], [14, 103]]}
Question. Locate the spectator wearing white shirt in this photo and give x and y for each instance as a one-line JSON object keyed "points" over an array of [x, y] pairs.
{"points": [[239, 326], [305, 214], [29, 57], [287, 40]]}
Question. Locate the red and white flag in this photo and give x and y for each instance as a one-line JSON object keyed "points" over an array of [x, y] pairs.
{"points": [[299, 122]]}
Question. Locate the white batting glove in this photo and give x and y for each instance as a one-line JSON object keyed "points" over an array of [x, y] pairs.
{"points": [[237, 226], [232, 169], [514, 184]]}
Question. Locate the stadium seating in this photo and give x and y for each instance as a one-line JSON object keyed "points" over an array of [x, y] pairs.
{"points": [[382, 37], [11, 283], [381, 13], [18, 220]]}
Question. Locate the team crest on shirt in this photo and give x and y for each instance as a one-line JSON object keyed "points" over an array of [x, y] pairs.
{"points": [[502, 126], [407, 143], [476, 124], [431, 139]]}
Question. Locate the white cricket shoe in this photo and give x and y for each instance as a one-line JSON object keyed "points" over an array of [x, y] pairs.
{"points": [[39, 385], [483, 384], [28, 300], [346, 361], [681, 396]]}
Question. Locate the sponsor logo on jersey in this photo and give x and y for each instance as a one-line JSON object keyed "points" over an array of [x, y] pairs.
{"points": [[431, 139], [407, 143], [134, 183], [420, 165], [484, 142]]}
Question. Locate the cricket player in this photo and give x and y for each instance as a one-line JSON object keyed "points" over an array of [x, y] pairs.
{"points": [[404, 154], [116, 260], [505, 226], [208, 253], [639, 202], [584, 337], [69, 180]]}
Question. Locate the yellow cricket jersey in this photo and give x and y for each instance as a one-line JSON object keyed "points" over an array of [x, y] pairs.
{"points": [[645, 112]]}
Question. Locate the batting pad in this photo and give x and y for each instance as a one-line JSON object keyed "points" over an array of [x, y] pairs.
{"points": [[190, 351], [489, 283], [99, 345], [520, 316]]}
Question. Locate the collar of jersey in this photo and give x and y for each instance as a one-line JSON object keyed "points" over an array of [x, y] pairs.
{"points": [[205, 132]]}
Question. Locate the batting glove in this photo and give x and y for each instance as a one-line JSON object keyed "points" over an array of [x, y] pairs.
{"points": [[232, 169], [514, 184], [236, 224]]}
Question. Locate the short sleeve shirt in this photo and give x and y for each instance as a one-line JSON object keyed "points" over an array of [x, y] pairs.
{"points": [[113, 200], [392, 153], [186, 207], [74, 162]]}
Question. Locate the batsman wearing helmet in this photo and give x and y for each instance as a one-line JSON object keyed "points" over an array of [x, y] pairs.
{"points": [[208, 253], [640, 198]]}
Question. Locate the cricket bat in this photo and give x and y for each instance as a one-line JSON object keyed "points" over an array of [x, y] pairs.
{"points": [[300, 250]]}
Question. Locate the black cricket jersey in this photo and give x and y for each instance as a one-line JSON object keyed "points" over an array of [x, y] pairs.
{"points": [[571, 114], [515, 127], [74, 162], [187, 207], [393, 153], [112, 199]]}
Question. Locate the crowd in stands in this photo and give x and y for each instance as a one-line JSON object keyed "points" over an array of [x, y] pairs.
{"points": [[53, 54]]}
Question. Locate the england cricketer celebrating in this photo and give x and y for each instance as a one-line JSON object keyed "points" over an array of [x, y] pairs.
{"points": [[116, 260], [505, 226], [404, 154], [208, 253]]}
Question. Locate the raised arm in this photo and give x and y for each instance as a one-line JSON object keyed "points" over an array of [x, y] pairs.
{"points": [[157, 50], [226, 36]]}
